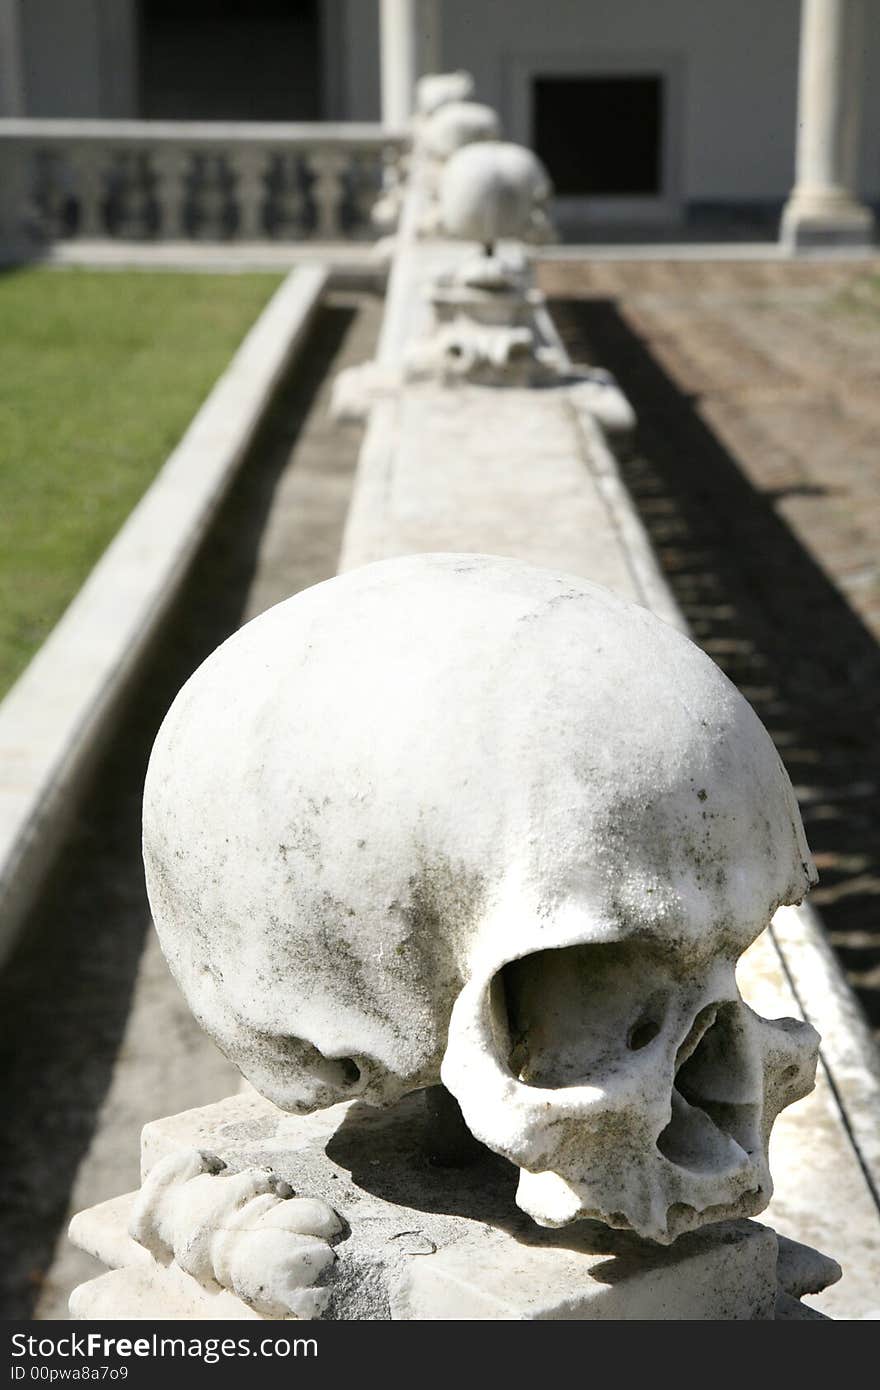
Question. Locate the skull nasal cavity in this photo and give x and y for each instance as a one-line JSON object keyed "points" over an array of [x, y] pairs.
{"points": [[573, 1016], [715, 1107]]}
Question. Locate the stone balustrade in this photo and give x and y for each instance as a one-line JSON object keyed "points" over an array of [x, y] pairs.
{"points": [[178, 180]]}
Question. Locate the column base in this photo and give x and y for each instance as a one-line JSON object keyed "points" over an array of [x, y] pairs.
{"points": [[812, 223]]}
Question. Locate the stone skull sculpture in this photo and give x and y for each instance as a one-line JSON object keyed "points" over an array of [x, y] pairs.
{"points": [[436, 89], [453, 816], [491, 189]]}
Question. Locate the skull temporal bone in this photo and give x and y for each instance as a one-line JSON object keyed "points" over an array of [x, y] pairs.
{"points": [[458, 816]]}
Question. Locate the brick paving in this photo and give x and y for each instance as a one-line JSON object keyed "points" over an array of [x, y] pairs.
{"points": [[756, 469]]}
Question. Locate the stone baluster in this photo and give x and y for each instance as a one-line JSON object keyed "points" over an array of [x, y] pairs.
{"points": [[328, 191], [386, 206], [289, 202], [133, 194], [250, 170], [212, 198], [16, 170], [51, 194], [171, 163], [394, 166], [135, 183], [87, 162], [367, 184]]}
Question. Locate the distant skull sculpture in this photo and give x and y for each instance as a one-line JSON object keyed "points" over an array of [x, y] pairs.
{"points": [[440, 135], [492, 189], [437, 89], [453, 816]]}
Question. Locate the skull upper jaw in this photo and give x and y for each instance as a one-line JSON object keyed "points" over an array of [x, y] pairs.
{"points": [[667, 1136]]}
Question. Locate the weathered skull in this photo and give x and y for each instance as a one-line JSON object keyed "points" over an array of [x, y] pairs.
{"points": [[455, 816], [492, 189]]}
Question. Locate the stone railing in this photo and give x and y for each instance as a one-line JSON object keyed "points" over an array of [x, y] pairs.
{"points": [[164, 180]]}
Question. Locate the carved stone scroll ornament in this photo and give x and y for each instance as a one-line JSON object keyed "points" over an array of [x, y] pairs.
{"points": [[245, 1232], [489, 328]]}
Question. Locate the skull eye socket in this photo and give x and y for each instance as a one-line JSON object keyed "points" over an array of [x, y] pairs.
{"points": [[642, 1033], [574, 1015]]}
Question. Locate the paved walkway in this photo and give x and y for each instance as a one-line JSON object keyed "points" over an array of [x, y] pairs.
{"points": [[757, 473], [97, 1038]]}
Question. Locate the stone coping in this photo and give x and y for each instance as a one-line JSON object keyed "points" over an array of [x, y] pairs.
{"points": [[221, 133], [56, 717], [366, 258]]}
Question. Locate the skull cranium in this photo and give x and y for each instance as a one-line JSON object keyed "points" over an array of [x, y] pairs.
{"points": [[435, 89], [454, 816], [491, 189]]}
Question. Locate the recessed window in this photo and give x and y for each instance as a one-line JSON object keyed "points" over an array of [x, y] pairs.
{"points": [[248, 60], [601, 136]]}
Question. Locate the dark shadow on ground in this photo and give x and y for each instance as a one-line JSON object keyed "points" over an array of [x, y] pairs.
{"points": [[763, 608], [65, 995], [386, 1154]]}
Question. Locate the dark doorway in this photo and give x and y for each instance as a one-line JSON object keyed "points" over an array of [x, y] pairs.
{"points": [[242, 60], [600, 137]]}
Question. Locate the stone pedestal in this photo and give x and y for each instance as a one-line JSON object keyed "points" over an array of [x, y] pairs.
{"points": [[821, 218], [822, 209], [422, 1241]]}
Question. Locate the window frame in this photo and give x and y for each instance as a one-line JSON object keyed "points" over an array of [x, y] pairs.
{"points": [[519, 74]]}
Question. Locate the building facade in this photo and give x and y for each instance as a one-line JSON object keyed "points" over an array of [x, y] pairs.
{"points": [[646, 111]]}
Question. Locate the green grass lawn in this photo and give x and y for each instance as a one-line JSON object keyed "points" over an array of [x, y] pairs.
{"points": [[100, 373]]}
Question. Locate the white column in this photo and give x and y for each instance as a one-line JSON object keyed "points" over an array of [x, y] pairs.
{"points": [[398, 45], [822, 209]]}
